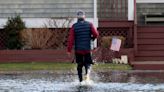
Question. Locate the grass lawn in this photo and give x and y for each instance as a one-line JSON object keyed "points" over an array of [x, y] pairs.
{"points": [[56, 66]]}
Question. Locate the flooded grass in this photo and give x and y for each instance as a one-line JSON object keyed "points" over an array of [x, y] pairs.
{"points": [[56, 66], [35, 66], [110, 66], [62, 77]]}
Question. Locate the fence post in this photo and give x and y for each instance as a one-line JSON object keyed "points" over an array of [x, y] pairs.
{"points": [[135, 27]]}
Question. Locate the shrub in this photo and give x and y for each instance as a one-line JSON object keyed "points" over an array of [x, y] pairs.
{"points": [[107, 54], [44, 38], [38, 38], [106, 41], [12, 29]]}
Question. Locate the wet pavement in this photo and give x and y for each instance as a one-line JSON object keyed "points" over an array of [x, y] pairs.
{"points": [[101, 81]]}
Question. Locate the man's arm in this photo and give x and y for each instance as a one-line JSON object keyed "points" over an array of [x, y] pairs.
{"points": [[95, 33], [70, 40]]}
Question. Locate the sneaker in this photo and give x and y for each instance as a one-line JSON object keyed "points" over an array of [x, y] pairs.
{"points": [[86, 77]]}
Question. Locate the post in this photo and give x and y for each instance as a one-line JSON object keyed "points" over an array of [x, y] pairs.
{"points": [[130, 10], [135, 27], [95, 20], [95, 9]]}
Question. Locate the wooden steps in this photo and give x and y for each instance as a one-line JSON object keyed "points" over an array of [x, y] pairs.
{"points": [[150, 43], [148, 65]]}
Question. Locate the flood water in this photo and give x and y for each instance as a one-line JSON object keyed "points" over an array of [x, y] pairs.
{"points": [[102, 81]]}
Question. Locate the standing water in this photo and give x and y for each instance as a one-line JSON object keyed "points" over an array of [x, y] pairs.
{"points": [[106, 81]]}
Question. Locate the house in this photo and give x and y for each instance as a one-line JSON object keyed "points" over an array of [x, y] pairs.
{"points": [[37, 13], [139, 21], [149, 36]]}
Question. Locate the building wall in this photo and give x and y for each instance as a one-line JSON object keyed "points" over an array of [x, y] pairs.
{"points": [[116, 9], [113, 9], [150, 1], [149, 8], [145, 7], [37, 11], [45, 8]]}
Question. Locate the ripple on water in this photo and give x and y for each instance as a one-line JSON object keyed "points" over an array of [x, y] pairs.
{"points": [[37, 85]]}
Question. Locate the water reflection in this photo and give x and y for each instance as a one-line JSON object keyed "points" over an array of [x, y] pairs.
{"points": [[109, 81]]}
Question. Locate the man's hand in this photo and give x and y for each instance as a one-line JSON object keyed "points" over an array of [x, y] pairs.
{"points": [[69, 55], [95, 50]]}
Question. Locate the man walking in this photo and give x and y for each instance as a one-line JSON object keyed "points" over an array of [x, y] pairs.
{"points": [[80, 36]]}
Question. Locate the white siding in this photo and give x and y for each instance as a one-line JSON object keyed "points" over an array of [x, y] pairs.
{"points": [[130, 10], [45, 8], [150, 1], [36, 12]]}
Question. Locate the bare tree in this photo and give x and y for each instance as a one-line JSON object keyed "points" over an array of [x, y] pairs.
{"points": [[52, 36]]}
